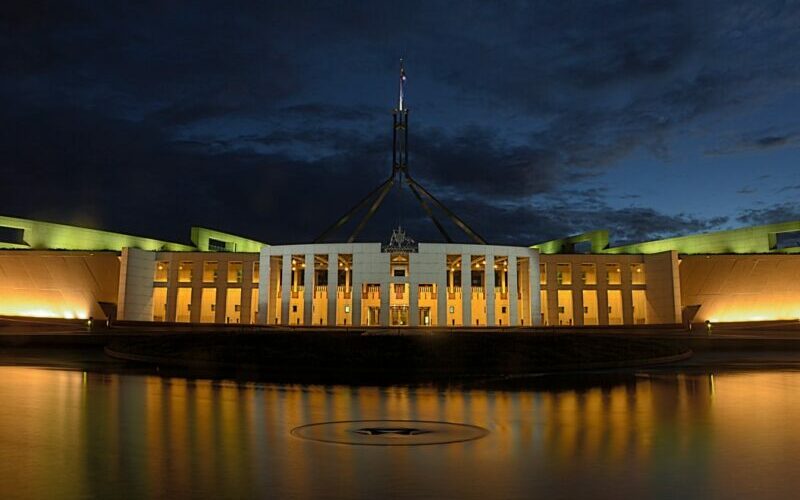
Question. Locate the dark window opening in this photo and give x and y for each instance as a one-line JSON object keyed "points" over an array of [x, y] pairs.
{"points": [[12, 235], [582, 247], [477, 278], [787, 240], [217, 245]]}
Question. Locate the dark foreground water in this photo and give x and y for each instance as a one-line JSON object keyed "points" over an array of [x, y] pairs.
{"points": [[71, 434]]}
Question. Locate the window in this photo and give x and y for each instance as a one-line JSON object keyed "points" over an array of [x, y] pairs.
{"points": [[564, 274], [639, 303], [614, 307], [217, 245], [637, 274], [208, 305], [542, 274], [294, 308], [399, 272], [234, 272], [185, 272], [256, 270], [183, 310], [589, 274], [160, 304], [12, 235], [162, 271], [613, 274], [590, 310], [210, 271], [503, 309], [452, 309]]}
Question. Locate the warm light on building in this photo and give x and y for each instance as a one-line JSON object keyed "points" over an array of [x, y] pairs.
{"points": [[74, 273]]}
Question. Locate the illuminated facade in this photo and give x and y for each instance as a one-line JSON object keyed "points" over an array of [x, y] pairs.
{"points": [[54, 270]]}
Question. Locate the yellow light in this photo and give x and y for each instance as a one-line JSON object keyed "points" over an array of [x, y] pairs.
{"points": [[293, 262]]}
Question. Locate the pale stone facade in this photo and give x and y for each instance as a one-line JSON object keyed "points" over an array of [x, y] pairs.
{"points": [[384, 288]]}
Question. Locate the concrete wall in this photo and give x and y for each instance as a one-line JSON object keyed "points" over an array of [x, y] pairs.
{"points": [[135, 301], [57, 284], [741, 287], [661, 287], [138, 275]]}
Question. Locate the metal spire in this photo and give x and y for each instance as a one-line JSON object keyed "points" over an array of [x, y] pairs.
{"points": [[402, 82], [400, 171]]}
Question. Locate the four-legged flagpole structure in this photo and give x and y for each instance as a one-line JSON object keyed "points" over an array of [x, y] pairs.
{"points": [[399, 175]]}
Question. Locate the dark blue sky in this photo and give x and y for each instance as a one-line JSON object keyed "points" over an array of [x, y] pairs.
{"points": [[532, 120]]}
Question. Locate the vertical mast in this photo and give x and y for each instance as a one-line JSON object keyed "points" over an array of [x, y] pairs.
{"points": [[400, 132]]}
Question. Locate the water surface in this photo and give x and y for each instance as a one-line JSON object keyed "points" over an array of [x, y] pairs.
{"points": [[667, 434]]}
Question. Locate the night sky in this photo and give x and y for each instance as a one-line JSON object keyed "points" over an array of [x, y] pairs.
{"points": [[530, 120]]}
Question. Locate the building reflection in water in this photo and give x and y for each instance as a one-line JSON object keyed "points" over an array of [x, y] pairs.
{"points": [[76, 434]]}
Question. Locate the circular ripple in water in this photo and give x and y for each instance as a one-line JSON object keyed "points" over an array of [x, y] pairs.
{"points": [[389, 432]]}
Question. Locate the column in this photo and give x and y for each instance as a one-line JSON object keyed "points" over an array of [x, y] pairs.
{"points": [[333, 286], [222, 290], [413, 300], [602, 300], [552, 292], [535, 312], [356, 286], [172, 287], [264, 288], [466, 289], [442, 276], [577, 301], [197, 288], [245, 313], [308, 290], [627, 298], [385, 291], [513, 287], [286, 287], [488, 281]]}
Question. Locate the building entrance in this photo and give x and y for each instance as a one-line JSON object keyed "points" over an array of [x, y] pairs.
{"points": [[398, 315], [373, 316], [425, 316]]}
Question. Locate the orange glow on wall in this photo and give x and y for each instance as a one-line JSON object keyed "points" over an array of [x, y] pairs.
{"points": [[67, 285]]}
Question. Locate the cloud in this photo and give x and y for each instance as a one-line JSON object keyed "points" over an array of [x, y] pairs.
{"points": [[271, 120], [778, 212], [759, 141]]}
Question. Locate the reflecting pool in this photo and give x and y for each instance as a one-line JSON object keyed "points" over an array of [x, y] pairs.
{"points": [[74, 434]]}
